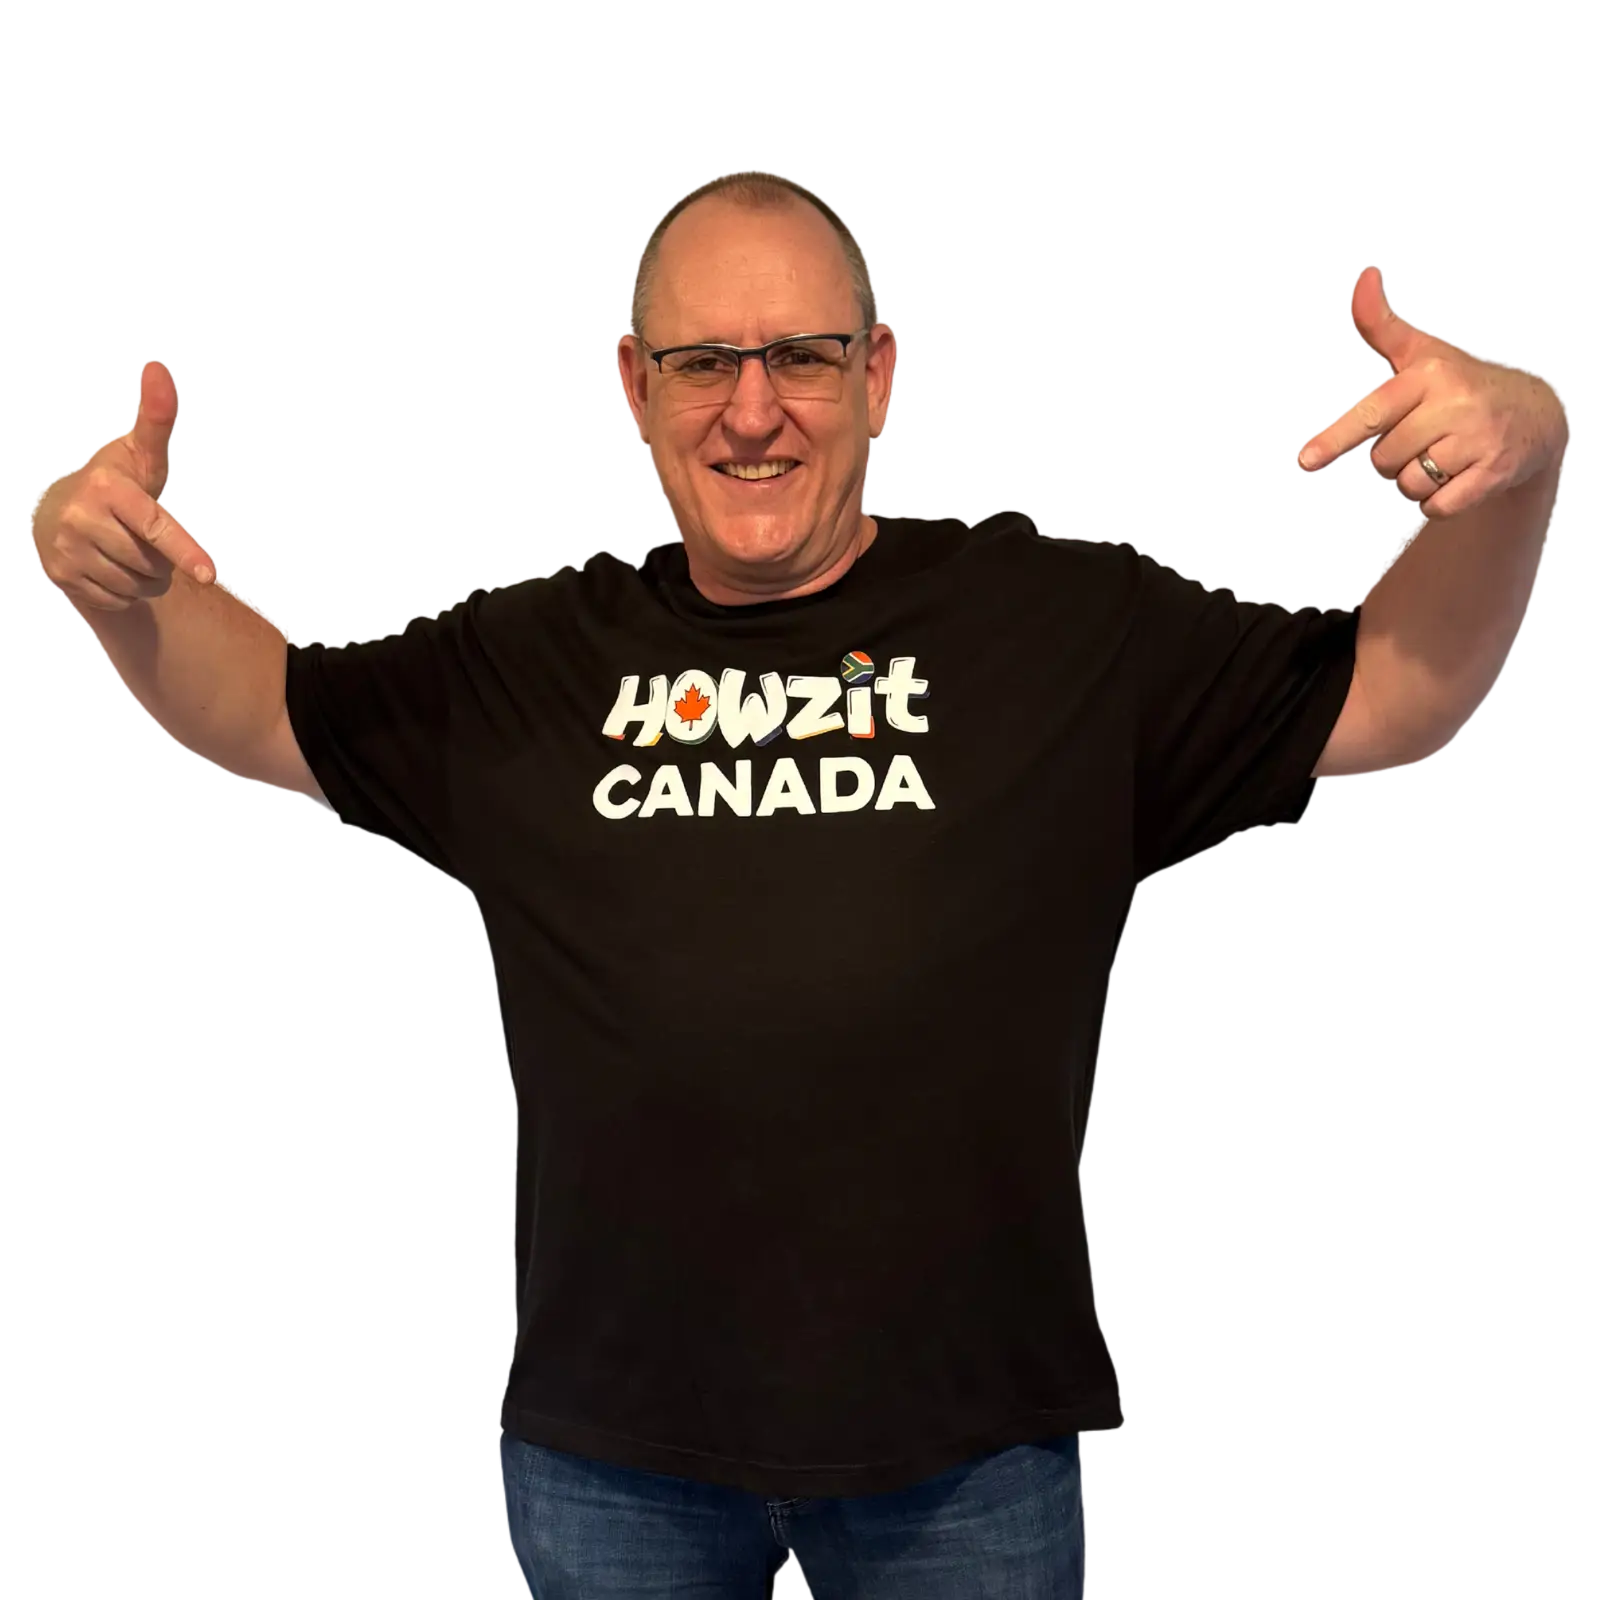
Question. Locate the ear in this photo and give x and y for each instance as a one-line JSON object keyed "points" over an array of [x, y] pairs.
{"points": [[880, 376], [633, 364]]}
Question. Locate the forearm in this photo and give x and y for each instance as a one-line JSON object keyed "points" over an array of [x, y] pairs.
{"points": [[1437, 627], [203, 664]]}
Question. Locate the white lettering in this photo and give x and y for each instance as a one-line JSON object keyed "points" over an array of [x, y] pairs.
{"points": [[785, 789], [692, 706]]}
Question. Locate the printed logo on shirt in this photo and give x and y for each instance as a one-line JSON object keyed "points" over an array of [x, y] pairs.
{"points": [[695, 706]]}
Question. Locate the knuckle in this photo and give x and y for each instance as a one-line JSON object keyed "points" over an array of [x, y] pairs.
{"points": [[1368, 413], [72, 516]]}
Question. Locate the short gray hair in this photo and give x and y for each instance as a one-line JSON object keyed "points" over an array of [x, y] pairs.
{"points": [[758, 191]]}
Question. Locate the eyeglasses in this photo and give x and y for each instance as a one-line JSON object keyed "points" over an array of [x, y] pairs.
{"points": [[805, 366]]}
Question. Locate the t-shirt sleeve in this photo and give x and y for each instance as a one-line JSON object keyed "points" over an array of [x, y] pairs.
{"points": [[381, 725], [1236, 700]]}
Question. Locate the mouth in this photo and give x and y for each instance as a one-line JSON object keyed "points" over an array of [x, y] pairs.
{"points": [[765, 485], [755, 471]]}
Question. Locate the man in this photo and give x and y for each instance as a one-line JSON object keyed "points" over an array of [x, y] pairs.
{"points": [[852, 1156], [803, 894]]}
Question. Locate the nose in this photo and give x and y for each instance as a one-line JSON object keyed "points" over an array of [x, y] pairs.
{"points": [[753, 410]]}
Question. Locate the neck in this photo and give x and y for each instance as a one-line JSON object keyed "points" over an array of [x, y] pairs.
{"points": [[720, 591]]}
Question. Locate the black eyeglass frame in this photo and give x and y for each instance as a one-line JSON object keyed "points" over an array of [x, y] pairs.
{"points": [[758, 350]]}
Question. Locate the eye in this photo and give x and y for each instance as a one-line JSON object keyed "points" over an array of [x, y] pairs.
{"points": [[698, 364], [797, 355]]}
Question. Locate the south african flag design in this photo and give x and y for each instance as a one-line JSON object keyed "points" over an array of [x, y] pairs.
{"points": [[856, 667]]}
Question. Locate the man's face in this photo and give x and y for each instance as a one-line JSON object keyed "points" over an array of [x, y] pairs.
{"points": [[731, 275]]}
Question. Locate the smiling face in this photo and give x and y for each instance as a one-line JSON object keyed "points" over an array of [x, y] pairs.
{"points": [[730, 274]]}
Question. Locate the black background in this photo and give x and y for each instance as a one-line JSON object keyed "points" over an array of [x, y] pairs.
{"points": [[263, 1114]]}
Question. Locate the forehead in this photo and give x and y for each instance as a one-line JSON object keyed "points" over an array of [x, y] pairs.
{"points": [[744, 275]]}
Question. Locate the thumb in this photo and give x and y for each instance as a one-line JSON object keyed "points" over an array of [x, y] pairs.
{"points": [[152, 428], [1381, 327]]}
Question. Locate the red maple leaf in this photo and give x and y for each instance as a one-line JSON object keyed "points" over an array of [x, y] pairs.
{"points": [[693, 705]]}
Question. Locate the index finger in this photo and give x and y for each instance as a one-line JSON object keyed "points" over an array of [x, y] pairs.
{"points": [[1378, 412], [147, 519]]}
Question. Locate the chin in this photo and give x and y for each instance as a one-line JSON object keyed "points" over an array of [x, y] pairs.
{"points": [[756, 538]]}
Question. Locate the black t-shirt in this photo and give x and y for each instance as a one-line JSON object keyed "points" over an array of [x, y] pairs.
{"points": [[802, 915]]}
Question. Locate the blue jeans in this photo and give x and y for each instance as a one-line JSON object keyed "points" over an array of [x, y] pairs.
{"points": [[1007, 1524]]}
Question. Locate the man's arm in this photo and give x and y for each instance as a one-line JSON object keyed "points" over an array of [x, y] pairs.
{"points": [[1442, 620], [205, 664]]}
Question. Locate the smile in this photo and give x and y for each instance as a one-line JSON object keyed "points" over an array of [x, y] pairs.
{"points": [[764, 484], [751, 472]]}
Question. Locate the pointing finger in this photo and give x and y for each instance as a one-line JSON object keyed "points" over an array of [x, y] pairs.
{"points": [[1377, 413], [145, 519]]}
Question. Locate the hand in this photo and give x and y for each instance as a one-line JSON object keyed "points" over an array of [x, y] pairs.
{"points": [[100, 534], [1489, 427]]}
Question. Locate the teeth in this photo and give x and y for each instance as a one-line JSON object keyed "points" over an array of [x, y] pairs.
{"points": [[761, 469]]}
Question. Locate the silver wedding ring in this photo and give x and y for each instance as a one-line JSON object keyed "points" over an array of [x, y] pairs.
{"points": [[1426, 463]]}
